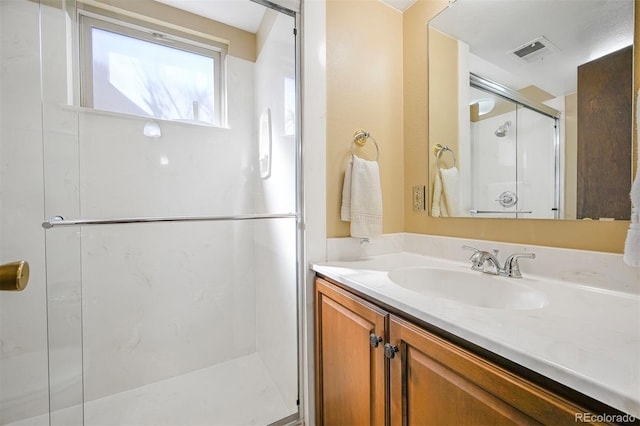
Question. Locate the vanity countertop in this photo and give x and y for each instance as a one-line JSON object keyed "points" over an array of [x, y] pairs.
{"points": [[587, 338]]}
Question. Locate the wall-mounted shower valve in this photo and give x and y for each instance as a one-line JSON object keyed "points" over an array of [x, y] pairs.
{"points": [[507, 199]]}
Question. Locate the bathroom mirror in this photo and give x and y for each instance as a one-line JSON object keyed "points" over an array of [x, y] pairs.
{"points": [[530, 109]]}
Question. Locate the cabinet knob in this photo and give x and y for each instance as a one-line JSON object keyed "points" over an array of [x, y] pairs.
{"points": [[374, 340], [390, 350]]}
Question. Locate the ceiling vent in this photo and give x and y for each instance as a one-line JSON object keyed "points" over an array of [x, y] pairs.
{"points": [[535, 50]]}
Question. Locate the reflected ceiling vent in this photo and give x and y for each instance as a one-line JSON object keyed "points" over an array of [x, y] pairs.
{"points": [[535, 50]]}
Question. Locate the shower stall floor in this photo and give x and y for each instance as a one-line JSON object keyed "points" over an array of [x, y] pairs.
{"points": [[237, 392]]}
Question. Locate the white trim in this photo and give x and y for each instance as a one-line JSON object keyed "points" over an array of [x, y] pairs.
{"points": [[314, 134]]}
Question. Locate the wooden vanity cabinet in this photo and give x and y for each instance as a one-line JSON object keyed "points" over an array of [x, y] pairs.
{"points": [[350, 369], [430, 380], [434, 382]]}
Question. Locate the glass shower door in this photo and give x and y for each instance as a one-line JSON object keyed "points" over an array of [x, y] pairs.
{"points": [[23, 314], [537, 157], [171, 215], [494, 167]]}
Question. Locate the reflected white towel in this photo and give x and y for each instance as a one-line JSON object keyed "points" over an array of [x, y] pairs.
{"points": [[451, 189], [438, 205], [362, 198], [632, 243], [446, 193]]}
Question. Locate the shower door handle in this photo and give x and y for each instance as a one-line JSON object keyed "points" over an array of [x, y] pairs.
{"points": [[14, 276]]}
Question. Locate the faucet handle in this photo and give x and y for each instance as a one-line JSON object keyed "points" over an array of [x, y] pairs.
{"points": [[511, 266], [471, 248], [476, 258]]}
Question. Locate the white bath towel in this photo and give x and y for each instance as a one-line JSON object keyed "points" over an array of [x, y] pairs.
{"points": [[362, 198], [446, 193], [632, 243]]}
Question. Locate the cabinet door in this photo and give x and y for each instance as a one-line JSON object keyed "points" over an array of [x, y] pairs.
{"points": [[434, 382], [350, 372]]}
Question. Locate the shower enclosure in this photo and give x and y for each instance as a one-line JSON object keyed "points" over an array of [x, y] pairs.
{"points": [[514, 154], [164, 260]]}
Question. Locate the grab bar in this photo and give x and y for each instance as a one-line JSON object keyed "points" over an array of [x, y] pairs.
{"points": [[499, 211], [60, 221]]}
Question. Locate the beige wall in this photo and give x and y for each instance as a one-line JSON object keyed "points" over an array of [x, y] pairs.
{"points": [[445, 99], [364, 90], [360, 95]]}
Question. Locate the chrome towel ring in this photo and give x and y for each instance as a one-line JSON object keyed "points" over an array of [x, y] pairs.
{"points": [[438, 149], [360, 137]]}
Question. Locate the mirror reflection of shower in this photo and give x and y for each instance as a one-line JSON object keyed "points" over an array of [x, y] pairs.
{"points": [[512, 156], [502, 130]]}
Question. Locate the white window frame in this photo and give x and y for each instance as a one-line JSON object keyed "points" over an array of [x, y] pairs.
{"points": [[88, 20]]}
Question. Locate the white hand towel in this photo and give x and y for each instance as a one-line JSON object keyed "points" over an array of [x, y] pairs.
{"points": [[362, 198], [345, 208], [632, 243], [446, 188]]}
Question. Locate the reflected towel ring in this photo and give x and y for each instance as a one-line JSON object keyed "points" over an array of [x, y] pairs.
{"points": [[438, 149], [360, 137]]}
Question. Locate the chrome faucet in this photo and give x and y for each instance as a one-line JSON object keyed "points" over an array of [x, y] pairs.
{"points": [[488, 263]]}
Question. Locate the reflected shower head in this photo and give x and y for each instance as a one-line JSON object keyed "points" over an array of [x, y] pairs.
{"points": [[502, 130]]}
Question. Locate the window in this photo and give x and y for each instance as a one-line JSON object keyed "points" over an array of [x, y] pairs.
{"points": [[133, 70]]}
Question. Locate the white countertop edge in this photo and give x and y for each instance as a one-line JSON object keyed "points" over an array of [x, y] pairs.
{"points": [[559, 373]]}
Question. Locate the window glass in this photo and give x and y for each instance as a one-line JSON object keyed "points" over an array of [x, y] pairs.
{"points": [[144, 73]]}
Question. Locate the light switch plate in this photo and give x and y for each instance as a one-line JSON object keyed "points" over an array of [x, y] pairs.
{"points": [[418, 198]]}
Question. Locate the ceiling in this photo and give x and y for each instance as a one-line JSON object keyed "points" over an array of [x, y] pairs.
{"points": [[242, 14], [579, 31], [399, 5]]}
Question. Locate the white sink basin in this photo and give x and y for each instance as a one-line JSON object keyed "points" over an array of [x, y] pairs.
{"points": [[470, 288]]}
